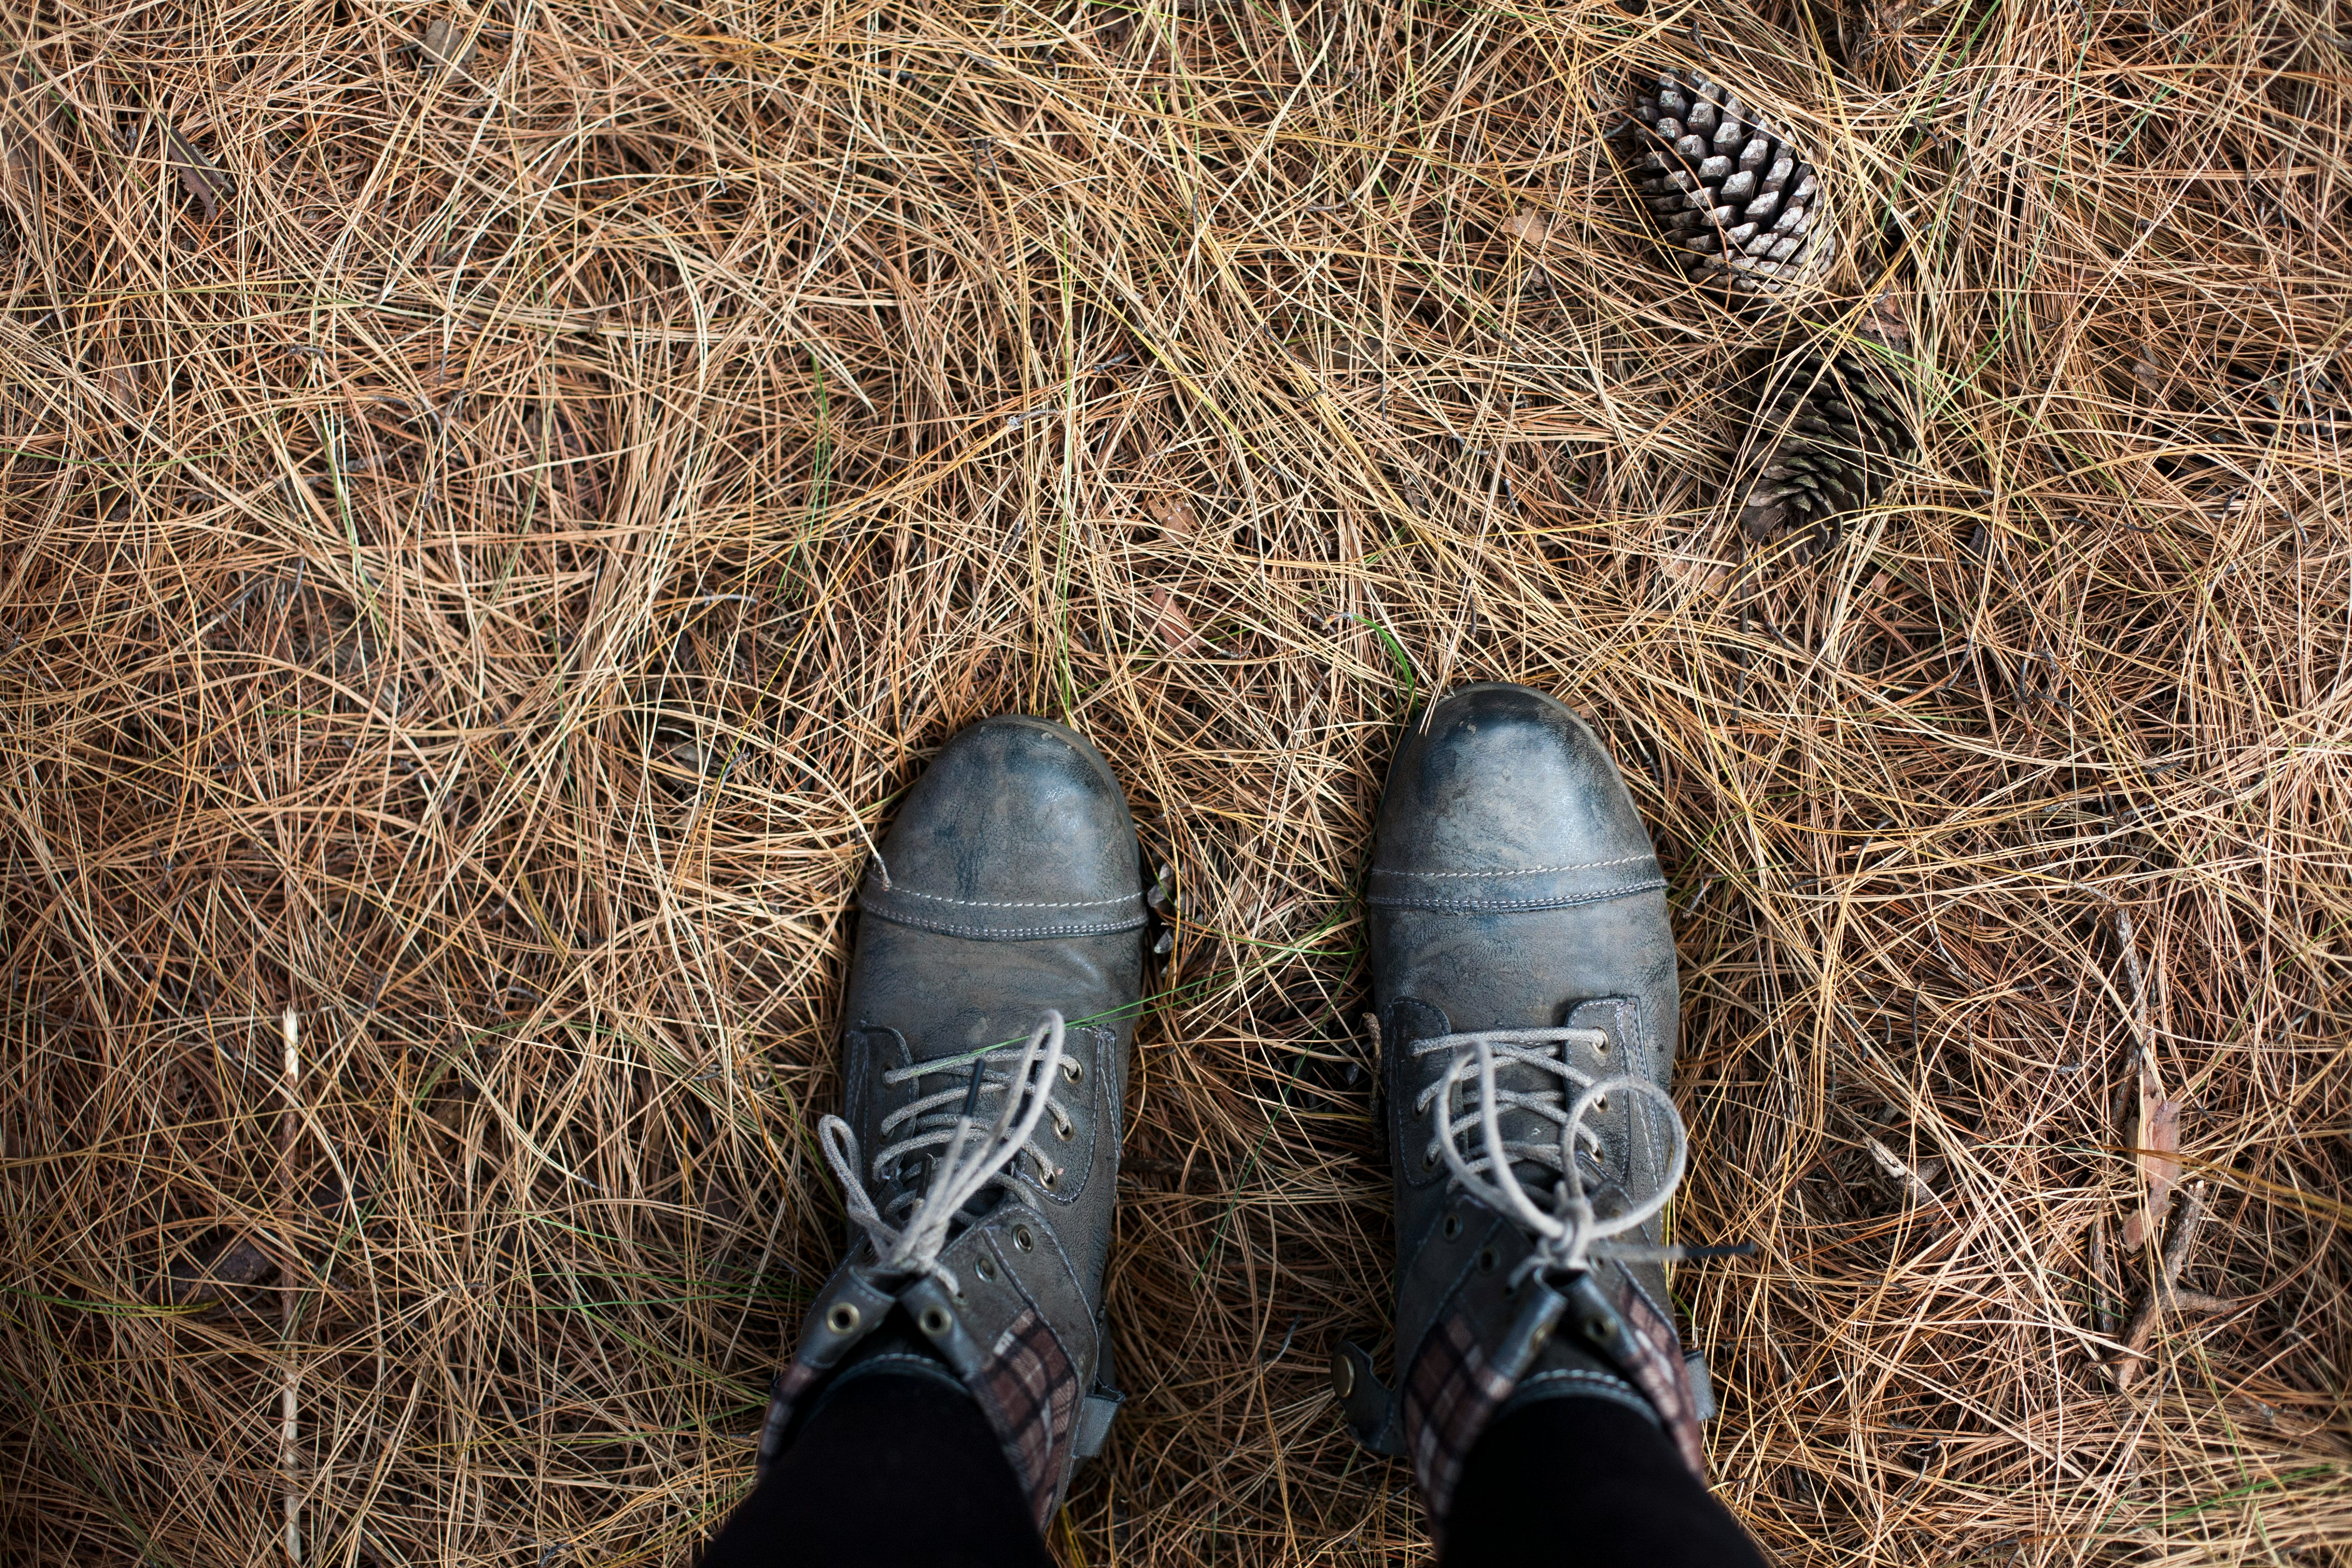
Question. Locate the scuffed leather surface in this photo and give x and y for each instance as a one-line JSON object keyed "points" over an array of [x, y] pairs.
{"points": [[1018, 838], [1506, 803], [1015, 832], [1513, 886]]}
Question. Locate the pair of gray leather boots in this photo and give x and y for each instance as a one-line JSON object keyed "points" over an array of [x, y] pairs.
{"points": [[1523, 977]]}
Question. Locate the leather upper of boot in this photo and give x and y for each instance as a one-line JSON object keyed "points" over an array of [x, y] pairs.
{"points": [[1512, 883], [1513, 886], [1009, 886], [1009, 882]]}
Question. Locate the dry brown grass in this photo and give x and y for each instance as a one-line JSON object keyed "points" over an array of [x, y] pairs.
{"points": [[479, 565]]}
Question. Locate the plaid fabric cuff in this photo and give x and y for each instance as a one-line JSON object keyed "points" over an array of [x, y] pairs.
{"points": [[1457, 1387], [1451, 1394], [1658, 1370], [1027, 1388], [1030, 1391]]}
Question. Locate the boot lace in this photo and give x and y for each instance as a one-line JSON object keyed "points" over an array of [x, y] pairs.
{"points": [[963, 1156], [1567, 1233]]}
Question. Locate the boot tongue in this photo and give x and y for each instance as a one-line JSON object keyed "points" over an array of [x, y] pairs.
{"points": [[957, 1051], [1524, 1126], [1520, 1125], [969, 1030], [915, 1178]]}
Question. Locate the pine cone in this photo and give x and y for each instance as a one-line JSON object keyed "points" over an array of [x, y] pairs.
{"points": [[1837, 432], [1737, 204]]}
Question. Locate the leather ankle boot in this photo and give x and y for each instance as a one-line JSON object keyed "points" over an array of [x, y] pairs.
{"points": [[1523, 980], [992, 993]]}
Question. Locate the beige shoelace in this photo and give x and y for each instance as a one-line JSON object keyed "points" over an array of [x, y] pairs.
{"points": [[964, 1155], [1567, 1234]]}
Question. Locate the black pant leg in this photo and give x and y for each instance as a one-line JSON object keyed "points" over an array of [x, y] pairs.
{"points": [[1587, 1483], [892, 1470]]}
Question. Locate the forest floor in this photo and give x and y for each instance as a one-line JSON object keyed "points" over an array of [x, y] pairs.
{"points": [[498, 503]]}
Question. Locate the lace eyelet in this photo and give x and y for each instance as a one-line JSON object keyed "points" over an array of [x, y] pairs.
{"points": [[985, 1269], [1075, 1071], [935, 1322], [1066, 1132], [1429, 1160], [1453, 1225], [1052, 1180], [1021, 1238], [1488, 1258], [842, 1317]]}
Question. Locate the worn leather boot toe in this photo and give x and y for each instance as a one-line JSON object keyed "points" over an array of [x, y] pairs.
{"points": [[1523, 980], [991, 997]]}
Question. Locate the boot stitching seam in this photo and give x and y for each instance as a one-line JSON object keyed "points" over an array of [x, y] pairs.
{"points": [[1520, 870], [1100, 928], [1564, 902], [1009, 904]]}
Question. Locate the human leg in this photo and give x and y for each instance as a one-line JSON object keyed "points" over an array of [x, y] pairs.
{"points": [[1587, 1482], [893, 1469]]}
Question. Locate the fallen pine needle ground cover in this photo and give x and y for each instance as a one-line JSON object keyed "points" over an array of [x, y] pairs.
{"points": [[496, 504]]}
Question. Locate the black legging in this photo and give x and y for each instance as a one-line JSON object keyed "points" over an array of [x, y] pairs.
{"points": [[1587, 1481], [904, 1470], [892, 1469]]}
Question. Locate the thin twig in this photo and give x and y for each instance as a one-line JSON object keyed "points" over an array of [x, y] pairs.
{"points": [[2103, 1300], [290, 1408], [2125, 1369]]}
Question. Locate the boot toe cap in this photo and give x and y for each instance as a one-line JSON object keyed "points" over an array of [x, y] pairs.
{"points": [[1017, 830], [1505, 800]]}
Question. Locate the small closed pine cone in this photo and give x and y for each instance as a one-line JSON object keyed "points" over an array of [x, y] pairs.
{"points": [[1738, 204], [1837, 432]]}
